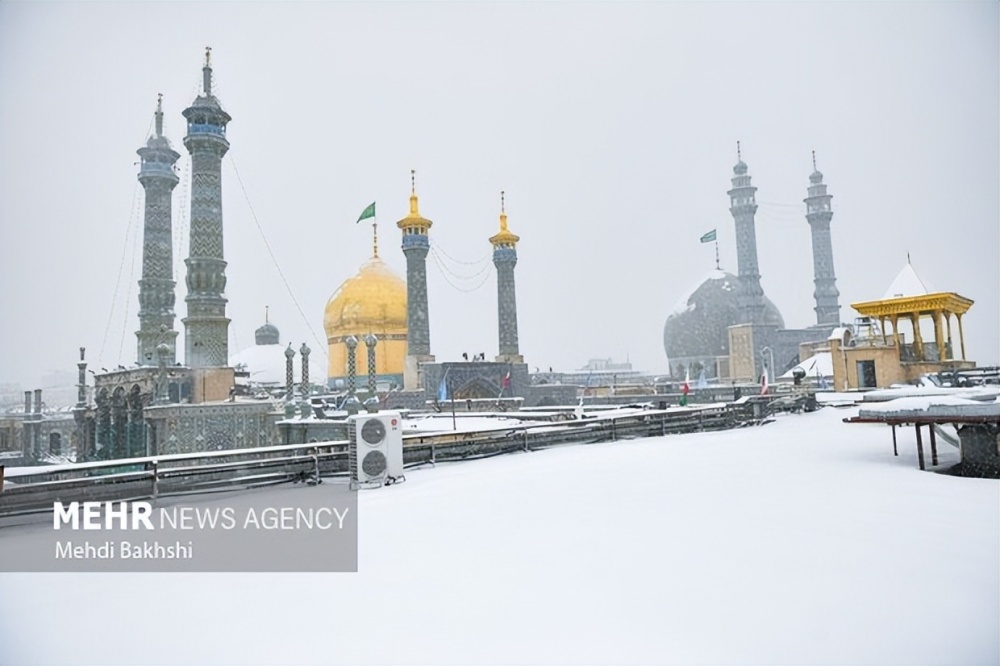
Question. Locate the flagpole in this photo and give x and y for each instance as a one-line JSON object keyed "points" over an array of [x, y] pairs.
{"points": [[447, 384]]}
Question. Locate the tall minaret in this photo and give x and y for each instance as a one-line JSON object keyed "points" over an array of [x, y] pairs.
{"points": [[818, 214], [415, 247], [156, 287], [206, 326], [505, 258], [743, 206]]}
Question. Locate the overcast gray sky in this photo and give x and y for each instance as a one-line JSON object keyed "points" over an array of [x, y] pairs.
{"points": [[611, 126]]}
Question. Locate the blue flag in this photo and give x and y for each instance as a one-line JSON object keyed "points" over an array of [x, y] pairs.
{"points": [[443, 389]]}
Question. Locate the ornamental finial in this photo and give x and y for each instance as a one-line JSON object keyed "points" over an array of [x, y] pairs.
{"points": [[206, 71], [414, 209], [159, 114], [503, 212], [739, 158], [375, 239], [814, 160]]}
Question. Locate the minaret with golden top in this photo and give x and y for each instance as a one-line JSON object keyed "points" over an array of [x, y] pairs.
{"points": [[505, 258], [415, 246]]}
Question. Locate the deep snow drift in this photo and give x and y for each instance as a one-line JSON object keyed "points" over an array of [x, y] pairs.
{"points": [[804, 541]]}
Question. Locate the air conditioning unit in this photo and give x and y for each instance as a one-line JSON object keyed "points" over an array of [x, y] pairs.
{"points": [[375, 449]]}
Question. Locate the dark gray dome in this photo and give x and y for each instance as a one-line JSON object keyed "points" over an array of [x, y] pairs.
{"points": [[698, 326], [267, 334]]}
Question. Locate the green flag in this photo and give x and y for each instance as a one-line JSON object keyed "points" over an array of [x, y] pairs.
{"points": [[707, 238], [367, 212]]}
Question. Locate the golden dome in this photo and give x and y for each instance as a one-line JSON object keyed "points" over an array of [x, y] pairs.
{"points": [[373, 301]]}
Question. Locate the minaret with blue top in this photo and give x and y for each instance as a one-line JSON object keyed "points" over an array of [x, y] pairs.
{"points": [[505, 258], [819, 214], [156, 287], [416, 244], [206, 326]]}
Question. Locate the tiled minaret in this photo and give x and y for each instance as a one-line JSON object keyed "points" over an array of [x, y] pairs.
{"points": [[156, 287], [415, 246], [818, 214], [743, 206], [206, 326], [505, 258]]}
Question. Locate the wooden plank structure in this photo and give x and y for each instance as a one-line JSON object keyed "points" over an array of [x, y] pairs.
{"points": [[918, 422]]}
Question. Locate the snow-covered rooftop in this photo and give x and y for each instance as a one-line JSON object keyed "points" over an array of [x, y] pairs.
{"points": [[906, 283], [819, 364], [802, 542]]}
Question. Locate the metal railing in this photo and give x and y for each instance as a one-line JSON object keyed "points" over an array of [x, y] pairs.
{"points": [[159, 476]]}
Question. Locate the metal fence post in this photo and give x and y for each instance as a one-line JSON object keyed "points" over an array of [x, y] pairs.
{"points": [[156, 479]]}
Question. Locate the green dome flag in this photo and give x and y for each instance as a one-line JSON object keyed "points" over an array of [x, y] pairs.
{"points": [[707, 238], [369, 213]]}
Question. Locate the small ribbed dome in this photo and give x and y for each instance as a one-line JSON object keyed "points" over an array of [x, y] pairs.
{"points": [[740, 168], [372, 300], [816, 177], [698, 326], [267, 334]]}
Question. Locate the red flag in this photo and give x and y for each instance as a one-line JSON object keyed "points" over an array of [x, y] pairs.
{"points": [[506, 380], [687, 383], [763, 383]]}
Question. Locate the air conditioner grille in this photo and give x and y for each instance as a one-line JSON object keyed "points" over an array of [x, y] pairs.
{"points": [[373, 432], [374, 463]]}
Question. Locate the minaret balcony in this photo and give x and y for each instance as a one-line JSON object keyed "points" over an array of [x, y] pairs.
{"points": [[502, 254], [156, 169], [216, 130], [415, 240]]}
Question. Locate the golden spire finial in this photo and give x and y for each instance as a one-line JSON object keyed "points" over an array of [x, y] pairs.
{"points": [[375, 240], [414, 211], [503, 213]]}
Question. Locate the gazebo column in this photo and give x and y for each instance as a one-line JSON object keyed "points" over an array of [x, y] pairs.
{"points": [[947, 321], [961, 334], [881, 325], [918, 341], [938, 335], [895, 331]]}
